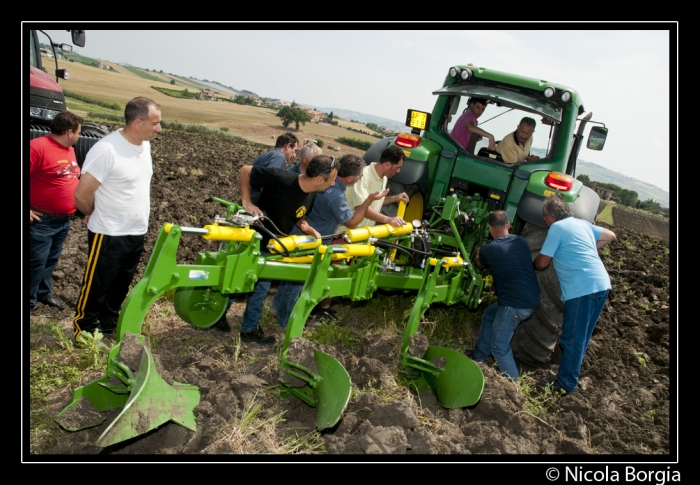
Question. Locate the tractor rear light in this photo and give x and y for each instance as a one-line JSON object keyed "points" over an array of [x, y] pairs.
{"points": [[559, 181], [407, 140]]}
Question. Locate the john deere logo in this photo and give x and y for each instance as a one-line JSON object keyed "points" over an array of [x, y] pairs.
{"points": [[301, 211]]}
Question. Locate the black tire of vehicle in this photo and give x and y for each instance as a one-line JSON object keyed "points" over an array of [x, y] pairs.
{"points": [[535, 339], [88, 128]]}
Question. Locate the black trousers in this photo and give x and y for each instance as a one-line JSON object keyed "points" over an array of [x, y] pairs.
{"points": [[110, 269]]}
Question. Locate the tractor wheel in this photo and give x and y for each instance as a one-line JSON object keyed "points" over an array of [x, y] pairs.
{"points": [[90, 134], [535, 339], [88, 128]]}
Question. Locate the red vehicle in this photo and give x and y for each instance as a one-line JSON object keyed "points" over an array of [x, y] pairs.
{"points": [[46, 98]]}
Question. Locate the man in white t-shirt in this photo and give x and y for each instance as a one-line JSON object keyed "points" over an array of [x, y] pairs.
{"points": [[114, 195], [374, 179]]}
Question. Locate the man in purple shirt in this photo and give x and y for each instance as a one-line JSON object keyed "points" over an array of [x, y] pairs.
{"points": [[467, 124]]}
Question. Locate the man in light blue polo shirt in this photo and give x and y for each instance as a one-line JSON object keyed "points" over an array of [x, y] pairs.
{"points": [[573, 245]]}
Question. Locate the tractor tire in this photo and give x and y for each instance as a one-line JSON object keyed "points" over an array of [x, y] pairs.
{"points": [[535, 339], [90, 134]]}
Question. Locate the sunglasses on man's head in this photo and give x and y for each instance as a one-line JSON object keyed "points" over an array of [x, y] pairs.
{"points": [[331, 167]]}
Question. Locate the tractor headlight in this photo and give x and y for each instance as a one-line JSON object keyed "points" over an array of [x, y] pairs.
{"points": [[549, 92], [454, 71], [42, 113], [566, 96], [465, 74]]}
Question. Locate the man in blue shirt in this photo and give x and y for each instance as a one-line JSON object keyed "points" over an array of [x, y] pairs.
{"points": [[308, 151], [573, 245], [331, 209], [508, 258], [286, 148]]}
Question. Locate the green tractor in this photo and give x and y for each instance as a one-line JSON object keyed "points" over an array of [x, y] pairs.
{"points": [[437, 167], [429, 256]]}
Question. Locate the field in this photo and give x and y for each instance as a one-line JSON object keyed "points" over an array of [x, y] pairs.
{"points": [[253, 123], [624, 407]]}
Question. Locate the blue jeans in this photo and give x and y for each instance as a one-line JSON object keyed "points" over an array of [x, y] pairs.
{"points": [[497, 327], [45, 244], [580, 317], [286, 297]]}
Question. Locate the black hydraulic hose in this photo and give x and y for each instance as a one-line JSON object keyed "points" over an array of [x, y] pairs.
{"points": [[403, 249], [260, 227], [445, 252]]}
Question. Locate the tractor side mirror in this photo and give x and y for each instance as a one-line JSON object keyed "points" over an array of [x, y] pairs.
{"points": [[78, 37], [596, 139]]}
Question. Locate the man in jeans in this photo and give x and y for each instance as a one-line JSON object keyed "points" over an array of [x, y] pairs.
{"points": [[285, 200], [573, 245], [515, 282], [53, 177]]}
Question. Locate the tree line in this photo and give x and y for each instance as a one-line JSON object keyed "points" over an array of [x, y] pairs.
{"points": [[629, 198]]}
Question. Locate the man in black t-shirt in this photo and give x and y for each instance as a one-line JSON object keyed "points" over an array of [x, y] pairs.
{"points": [[508, 257], [285, 200]]}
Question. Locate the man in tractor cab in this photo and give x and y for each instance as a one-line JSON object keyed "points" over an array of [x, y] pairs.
{"points": [[572, 244], [508, 258], [286, 148], [374, 179], [467, 124], [285, 200], [515, 146]]}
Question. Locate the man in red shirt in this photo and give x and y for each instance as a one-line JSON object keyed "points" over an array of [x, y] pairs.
{"points": [[53, 177]]}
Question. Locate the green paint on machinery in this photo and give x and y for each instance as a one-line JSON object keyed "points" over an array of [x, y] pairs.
{"points": [[422, 257], [431, 256]]}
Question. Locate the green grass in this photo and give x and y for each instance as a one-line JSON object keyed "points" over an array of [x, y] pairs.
{"points": [[606, 215], [88, 61], [145, 75]]}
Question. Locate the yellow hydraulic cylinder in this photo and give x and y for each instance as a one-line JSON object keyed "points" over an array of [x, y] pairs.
{"points": [[216, 232], [379, 231], [350, 251], [226, 233], [303, 243], [447, 261]]}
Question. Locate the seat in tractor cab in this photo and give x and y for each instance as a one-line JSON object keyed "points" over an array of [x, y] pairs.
{"points": [[492, 154]]}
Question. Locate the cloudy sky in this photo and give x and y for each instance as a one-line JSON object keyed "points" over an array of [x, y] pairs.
{"points": [[624, 76]]}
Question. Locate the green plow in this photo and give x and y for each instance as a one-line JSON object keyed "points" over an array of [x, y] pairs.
{"points": [[412, 258]]}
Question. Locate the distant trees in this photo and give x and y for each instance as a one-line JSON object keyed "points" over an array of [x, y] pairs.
{"points": [[291, 114], [172, 81], [585, 179]]}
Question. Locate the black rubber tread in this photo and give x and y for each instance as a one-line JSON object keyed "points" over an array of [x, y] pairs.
{"points": [[535, 339]]}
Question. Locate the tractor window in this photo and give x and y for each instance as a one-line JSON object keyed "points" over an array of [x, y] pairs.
{"points": [[501, 121], [33, 51]]}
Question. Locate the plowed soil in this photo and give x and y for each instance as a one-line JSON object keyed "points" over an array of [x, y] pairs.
{"points": [[624, 405]]}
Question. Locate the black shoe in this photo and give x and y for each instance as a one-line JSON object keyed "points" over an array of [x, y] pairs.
{"points": [[54, 302], [560, 390], [257, 335], [222, 325], [328, 316], [551, 376], [556, 387]]}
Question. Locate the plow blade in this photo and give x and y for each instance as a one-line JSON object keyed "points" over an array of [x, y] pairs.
{"points": [[152, 402], [199, 306], [332, 392], [459, 383], [328, 391]]}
